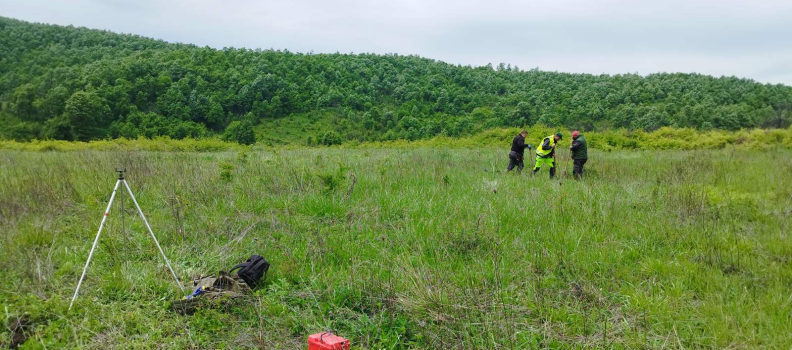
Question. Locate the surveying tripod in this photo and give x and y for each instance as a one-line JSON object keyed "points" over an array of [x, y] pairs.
{"points": [[120, 181]]}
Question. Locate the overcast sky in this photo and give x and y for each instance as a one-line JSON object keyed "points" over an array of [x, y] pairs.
{"points": [[751, 39]]}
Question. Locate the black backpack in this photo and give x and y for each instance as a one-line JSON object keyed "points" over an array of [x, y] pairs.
{"points": [[252, 270]]}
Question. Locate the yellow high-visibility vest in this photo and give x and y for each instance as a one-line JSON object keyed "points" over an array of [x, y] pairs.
{"points": [[544, 153]]}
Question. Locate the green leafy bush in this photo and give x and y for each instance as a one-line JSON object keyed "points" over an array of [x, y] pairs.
{"points": [[331, 138], [240, 132]]}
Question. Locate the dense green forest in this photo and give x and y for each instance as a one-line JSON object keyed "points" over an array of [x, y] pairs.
{"points": [[80, 84]]}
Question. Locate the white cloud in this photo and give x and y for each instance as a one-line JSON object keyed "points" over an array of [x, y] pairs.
{"points": [[745, 39]]}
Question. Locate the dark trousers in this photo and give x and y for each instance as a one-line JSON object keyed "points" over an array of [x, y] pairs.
{"points": [[515, 159], [577, 169]]}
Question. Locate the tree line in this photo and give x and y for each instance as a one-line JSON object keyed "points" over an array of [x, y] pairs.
{"points": [[70, 83]]}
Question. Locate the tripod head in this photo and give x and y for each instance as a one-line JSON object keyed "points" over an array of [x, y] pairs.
{"points": [[120, 173]]}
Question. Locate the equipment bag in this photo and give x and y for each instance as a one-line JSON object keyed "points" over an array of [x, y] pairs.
{"points": [[252, 270]]}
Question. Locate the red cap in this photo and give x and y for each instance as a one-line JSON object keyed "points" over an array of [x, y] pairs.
{"points": [[575, 133]]}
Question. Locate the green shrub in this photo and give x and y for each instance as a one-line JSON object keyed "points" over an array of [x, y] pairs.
{"points": [[331, 138], [240, 132], [226, 172]]}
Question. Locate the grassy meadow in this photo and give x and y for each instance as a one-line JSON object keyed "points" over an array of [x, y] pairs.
{"points": [[404, 248]]}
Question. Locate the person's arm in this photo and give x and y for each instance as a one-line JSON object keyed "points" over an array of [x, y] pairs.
{"points": [[546, 144], [575, 145]]}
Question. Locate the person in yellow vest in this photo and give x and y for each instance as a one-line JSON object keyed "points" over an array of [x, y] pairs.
{"points": [[545, 153]]}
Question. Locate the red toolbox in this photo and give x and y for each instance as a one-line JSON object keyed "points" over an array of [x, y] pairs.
{"points": [[327, 341]]}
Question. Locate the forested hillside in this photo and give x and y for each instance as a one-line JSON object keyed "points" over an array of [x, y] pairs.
{"points": [[80, 84]]}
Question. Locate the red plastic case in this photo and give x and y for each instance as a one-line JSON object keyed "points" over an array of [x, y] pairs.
{"points": [[327, 341]]}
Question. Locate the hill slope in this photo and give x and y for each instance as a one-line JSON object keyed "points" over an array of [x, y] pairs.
{"points": [[81, 84]]}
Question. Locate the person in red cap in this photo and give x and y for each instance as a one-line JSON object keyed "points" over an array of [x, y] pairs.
{"points": [[579, 153]]}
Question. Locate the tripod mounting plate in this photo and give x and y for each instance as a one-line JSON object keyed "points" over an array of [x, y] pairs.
{"points": [[120, 173]]}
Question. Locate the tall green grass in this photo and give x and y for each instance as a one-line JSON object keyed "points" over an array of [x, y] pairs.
{"points": [[621, 139], [141, 144], [427, 248]]}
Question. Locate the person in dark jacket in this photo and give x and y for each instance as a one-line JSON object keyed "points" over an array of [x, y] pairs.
{"points": [[516, 154], [579, 153]]}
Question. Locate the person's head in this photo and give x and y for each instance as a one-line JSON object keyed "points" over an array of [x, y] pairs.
{"points": [[575, 134], [558, 136], [524, 133]]}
